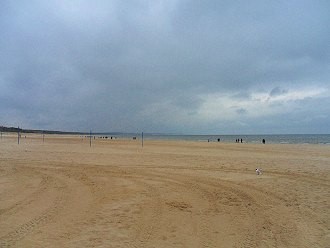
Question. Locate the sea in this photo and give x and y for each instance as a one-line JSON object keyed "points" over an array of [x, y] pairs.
{"points": [[269, 138]]}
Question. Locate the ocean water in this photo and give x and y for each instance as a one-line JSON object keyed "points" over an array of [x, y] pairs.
{"points": [[269, 138]]}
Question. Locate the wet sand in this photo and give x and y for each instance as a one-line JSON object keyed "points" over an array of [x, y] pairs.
{"points": [[63, 193]]}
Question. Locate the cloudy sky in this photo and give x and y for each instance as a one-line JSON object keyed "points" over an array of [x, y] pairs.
{"points": [[172, 66]]}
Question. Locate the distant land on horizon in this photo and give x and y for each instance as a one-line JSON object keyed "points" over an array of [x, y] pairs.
{"points": [[17, 129]]}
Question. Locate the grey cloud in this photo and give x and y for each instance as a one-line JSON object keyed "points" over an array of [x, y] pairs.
{"points": [[241, 111], [277, 91], [77, 65]]}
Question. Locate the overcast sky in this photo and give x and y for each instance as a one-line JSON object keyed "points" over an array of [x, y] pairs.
{"points": [[171, 66]]}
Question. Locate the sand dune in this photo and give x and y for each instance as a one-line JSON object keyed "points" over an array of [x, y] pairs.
{"points": [[63, 193]]}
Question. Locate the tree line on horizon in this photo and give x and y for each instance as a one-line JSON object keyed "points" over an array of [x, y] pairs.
{"points": [[17, 129]]}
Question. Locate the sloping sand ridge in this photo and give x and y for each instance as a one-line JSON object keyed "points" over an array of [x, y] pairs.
{"points": [[63, 193]]}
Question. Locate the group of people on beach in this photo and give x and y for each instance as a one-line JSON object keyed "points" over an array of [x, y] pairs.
{"points": [[241, 141]]}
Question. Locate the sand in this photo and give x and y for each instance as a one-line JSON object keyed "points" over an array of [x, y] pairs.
{"points": [[63, 193]]}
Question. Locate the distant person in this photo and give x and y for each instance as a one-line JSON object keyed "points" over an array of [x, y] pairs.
{"points": [[263, 141], [218, 140], [241, 140]]}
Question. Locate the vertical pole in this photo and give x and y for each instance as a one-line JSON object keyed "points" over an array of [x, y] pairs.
{"points": [[142, 139], [90, 138], [18, 136]]}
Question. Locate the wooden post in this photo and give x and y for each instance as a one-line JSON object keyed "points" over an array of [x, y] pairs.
{"points": [[90, 138]]}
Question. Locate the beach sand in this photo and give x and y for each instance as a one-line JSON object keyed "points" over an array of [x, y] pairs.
{"points": [[64, 193]]}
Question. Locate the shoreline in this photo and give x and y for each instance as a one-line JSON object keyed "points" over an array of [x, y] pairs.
{"points": [[305, 139]]}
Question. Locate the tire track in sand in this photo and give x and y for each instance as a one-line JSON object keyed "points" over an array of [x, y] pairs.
{"points": [[11, 238], [45, 182], [246, 202], [201, 214]]}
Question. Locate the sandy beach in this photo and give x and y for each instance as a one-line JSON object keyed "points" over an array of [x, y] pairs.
{"points": [[64, 193]]}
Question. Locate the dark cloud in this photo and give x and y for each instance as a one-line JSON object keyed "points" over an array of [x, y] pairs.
{"points": [[125, 66], [277, 91], [241, 111]]}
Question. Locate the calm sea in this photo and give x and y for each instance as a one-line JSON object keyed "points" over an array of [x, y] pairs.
{"points": [[273, 138]]}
